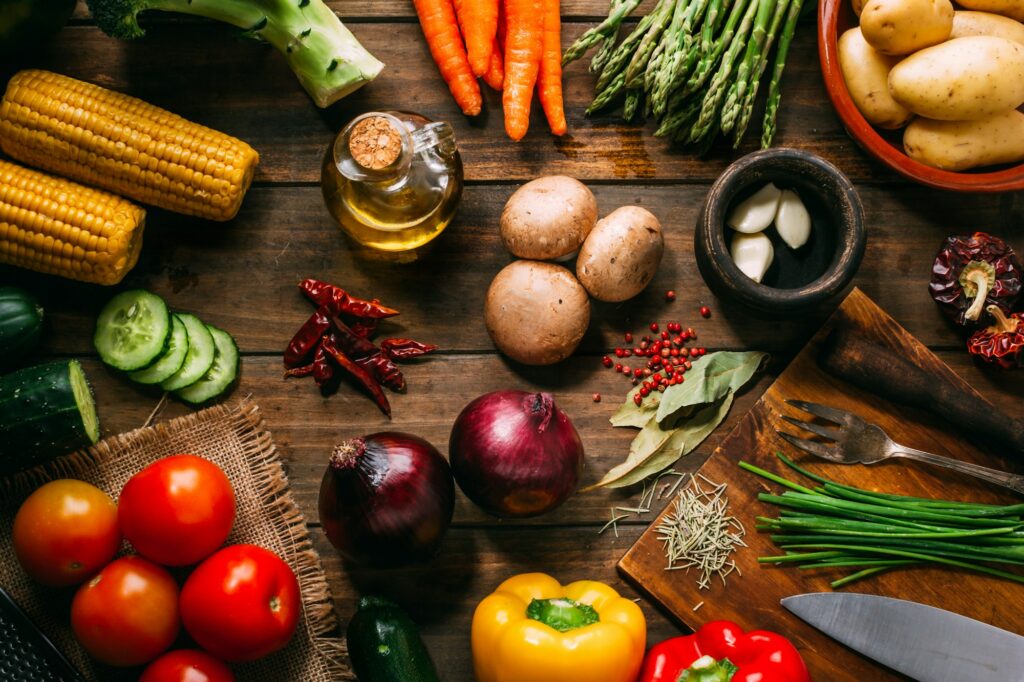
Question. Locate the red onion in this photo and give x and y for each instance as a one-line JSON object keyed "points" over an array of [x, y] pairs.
{"points": [[515, 454], [386, 499]]}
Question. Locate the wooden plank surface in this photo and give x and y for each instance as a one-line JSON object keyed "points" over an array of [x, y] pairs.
{"points": [[232, 274], [752, 600]]}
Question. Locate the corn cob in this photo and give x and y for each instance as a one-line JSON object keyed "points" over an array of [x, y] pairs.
{"points": [[122, 144], [62, 228]]}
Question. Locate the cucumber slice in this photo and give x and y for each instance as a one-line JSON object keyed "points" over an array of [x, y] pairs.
{"points": [[220, 375], [199, 357], [132, 330], [172, 359]]}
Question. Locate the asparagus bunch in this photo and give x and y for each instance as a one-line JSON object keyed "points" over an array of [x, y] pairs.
{"points": [[695, 65]]}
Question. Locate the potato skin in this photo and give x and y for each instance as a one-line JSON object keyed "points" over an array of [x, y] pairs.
{"points": [[959, 145], [897, 27], [986, 24], [866, 72], [621, 255], [536, 313], [962, 79], [548, 218], [1008, 8]]}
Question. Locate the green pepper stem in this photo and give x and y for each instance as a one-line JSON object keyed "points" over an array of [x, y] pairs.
{"points": [[562, 614]]}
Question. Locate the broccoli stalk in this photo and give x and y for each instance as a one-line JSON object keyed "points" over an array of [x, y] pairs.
{"points": [[325, 56]]}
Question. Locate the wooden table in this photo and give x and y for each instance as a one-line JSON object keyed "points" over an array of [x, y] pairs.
{"points": [[241, 276]]}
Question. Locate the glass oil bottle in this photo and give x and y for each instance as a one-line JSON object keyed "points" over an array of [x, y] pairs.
{"points": [[393, 180]]}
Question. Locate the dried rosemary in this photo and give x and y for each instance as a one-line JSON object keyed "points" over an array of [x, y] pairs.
{"points": [[647, 497], [699, 533]]}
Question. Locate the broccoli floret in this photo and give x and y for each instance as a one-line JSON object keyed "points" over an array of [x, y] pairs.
{"points": [[325, 56]]}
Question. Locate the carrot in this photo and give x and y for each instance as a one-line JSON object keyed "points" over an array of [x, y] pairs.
{"points": [[479, 22], [549, 82], [437, 18], [524, 22], [495, 76]]}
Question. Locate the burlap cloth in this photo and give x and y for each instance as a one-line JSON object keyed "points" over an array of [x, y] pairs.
{"points": [[234, 437]]}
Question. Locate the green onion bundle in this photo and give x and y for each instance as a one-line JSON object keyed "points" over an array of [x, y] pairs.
{"points": [[839, 526], [696, 65]]}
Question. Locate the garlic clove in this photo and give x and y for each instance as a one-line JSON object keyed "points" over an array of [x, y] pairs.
{"points": [[757, 211], [753, 254], [792, 220]]}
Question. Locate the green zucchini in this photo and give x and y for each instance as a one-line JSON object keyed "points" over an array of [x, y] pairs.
{"points": [[45, 411], [21, 324], [384, 646]]}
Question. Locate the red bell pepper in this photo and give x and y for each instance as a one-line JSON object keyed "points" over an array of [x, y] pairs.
{"points": [[721, 652]]}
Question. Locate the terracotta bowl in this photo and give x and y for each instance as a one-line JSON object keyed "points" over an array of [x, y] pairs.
{"points": [[800, 279], [834, 18]]}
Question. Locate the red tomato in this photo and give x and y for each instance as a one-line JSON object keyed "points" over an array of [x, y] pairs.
{"points": [[128, 614], [178, 510], [187, 665], [241, 604], [66, 531]]}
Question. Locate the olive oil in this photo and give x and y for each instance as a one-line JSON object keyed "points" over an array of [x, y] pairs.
{"points": [[393, 180]]}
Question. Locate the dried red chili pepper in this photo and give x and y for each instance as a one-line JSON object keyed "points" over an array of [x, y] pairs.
{"points": [[323, 370], [352, 344], [384, 371], [305, 341], [404, 349], [340, 301], [361, 375], [973, 272], [1002, 344], [363, 327], [294, 372]]}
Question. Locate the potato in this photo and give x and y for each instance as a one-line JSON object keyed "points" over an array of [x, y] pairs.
{"points": [[962, 79], [536, 313], [986, 24], [866, 72], [621, 255], [959, 145], [1008, 8], [548, 218], [898, 27]]}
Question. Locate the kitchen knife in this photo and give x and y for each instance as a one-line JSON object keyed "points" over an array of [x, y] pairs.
{"points": [[926, 643]]}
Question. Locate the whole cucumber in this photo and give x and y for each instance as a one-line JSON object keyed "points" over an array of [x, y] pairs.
{"points": [[21, 325], [385, 646]]}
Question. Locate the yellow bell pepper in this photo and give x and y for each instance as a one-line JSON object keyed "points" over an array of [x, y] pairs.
{"points": [[532, 629]]}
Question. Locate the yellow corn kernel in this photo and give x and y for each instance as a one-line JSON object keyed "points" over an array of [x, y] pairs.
{"points": [[59, 227], [122, 144]]}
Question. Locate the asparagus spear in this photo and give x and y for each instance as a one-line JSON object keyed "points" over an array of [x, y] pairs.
{"points": [[635, 70], [685, 58], [710, 58], [607, 48], [774, 89], [747, 105], [606, 28], [624, 52], [671, 40], [760, 43], [608, 95], [633, 97], [717, 89]]}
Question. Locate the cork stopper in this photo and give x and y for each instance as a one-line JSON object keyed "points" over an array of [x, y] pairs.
{"points": [[374, 143]]}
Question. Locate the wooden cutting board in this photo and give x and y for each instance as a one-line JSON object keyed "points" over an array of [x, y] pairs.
{"points": [[752, 599]]}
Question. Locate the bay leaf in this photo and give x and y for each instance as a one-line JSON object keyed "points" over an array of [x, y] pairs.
{"points": [[655, 448], [711, 377], [631, 414]]}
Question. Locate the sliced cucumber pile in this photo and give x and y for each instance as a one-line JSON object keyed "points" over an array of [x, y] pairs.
{"points": [[137, 333]]}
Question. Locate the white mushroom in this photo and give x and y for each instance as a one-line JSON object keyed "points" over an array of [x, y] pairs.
{"points": [[752, 254], [621, 255], [756, 212], [792, 220]]}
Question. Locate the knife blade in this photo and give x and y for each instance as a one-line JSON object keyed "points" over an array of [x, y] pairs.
{"points": [[924, 642]]}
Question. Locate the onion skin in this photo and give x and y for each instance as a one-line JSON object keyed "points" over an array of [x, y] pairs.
{"points": [[515, 454], [386, 499]]}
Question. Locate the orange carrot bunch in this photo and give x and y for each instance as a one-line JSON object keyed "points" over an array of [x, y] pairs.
{"points": [[513, 45]]}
